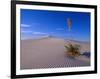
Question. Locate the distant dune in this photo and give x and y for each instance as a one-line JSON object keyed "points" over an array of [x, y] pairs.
{"points": [[49, 53]]}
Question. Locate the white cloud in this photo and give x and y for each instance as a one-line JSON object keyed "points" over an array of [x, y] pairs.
{"points": [[26, 31], [36, 33], [40, 33], [25, 25], [59, 28]]}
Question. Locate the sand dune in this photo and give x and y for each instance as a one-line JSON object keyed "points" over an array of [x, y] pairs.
{"points": [[49, 53]]}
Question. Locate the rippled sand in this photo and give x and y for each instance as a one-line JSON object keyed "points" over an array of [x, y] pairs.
{"points": [[49, 53]]}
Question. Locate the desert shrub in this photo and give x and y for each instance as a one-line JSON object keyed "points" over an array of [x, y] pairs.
{"points": [[72, 50]]}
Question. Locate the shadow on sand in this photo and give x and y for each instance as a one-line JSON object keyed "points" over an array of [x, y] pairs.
{"points": [[87, 54]]}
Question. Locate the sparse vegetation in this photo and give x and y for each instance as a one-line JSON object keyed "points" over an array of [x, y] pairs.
{"points": [[72, 50]]}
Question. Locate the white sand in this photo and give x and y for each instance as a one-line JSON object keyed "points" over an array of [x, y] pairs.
{"points": [[49, 53]]}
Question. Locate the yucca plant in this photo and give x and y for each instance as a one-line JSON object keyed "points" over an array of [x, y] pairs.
{"points": [[72, 50]]}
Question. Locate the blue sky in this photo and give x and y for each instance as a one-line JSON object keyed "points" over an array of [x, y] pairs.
{"points": [[39, 23]]}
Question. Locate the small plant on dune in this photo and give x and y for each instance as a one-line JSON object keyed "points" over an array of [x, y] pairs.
{"points": [[72, 50]]}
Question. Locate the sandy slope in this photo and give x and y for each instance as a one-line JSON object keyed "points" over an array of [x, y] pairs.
{"points": [[49, 53]]}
